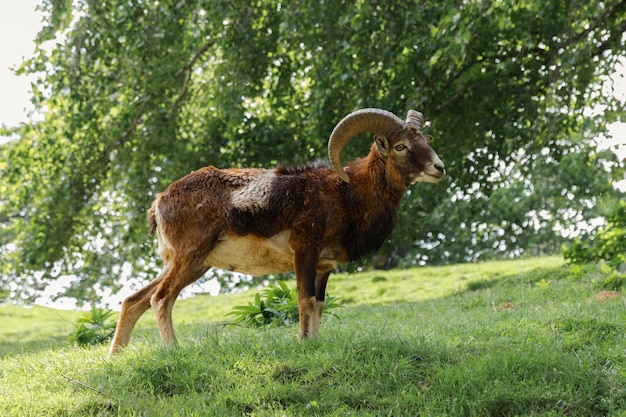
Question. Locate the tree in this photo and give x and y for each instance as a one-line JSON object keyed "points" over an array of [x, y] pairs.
{"points": [[137, 94]]}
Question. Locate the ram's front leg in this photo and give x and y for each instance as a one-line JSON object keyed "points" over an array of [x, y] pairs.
{"points": [[310, 307]]}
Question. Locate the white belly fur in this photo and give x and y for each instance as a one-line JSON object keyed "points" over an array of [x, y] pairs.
{"points": [[252, 255]]}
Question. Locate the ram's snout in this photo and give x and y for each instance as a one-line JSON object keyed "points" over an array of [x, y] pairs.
{"points": [[434, 171]]}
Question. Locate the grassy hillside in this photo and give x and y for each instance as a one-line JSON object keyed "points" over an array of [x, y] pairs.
{"points": [[495, 339]]}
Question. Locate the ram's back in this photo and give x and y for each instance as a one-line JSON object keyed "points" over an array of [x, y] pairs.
{"points": [[242, 219]]}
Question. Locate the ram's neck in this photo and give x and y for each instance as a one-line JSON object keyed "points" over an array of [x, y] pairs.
{"points": [[372, 201], [373, 182]]}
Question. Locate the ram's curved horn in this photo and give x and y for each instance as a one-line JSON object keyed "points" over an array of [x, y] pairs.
{"points": [[376, 121], [416, 118]]}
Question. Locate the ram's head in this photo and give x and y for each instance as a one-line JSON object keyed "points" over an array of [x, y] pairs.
{"points": [[401, 144]]}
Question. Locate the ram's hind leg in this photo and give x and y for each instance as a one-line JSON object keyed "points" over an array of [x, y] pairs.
{"points": [[133, 308], [311, 304], [181, 274], [320, 295]]}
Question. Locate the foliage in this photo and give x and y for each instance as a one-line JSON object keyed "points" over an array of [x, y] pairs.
{"points": [[608, 248], [502, 348], [136, 94], [93, 328], [607, 278], [276, 305], [608, 244], [536, 206]]}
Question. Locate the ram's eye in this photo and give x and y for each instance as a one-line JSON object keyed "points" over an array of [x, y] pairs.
{"points": [[400, 148]]}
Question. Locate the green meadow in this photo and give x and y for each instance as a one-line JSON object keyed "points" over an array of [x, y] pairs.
{"points": [[525, 337]]}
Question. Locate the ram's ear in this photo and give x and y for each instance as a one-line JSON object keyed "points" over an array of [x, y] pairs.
{"points": [[383, 144]]}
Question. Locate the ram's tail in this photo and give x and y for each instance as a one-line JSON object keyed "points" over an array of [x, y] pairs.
{"points": [[152, 219]]}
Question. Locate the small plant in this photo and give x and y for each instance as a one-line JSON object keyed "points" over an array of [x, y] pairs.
{"points": [[543, 284], [575, 272], [276, 305], [93, 327], [613, 280]]}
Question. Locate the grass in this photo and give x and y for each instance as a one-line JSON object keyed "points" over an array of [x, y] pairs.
{"points": [[491, 339], [29, 329]]}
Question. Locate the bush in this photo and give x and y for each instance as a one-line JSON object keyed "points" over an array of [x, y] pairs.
{"points": [[276, 305], [93, 328], [609, 244]]}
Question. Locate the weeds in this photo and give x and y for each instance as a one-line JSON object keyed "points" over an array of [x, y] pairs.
{"points": [[602, 275], [93, 328], [276, 305]]}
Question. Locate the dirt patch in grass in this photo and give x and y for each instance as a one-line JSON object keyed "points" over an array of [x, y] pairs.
{"points": [[606, 295], [505, 306]]}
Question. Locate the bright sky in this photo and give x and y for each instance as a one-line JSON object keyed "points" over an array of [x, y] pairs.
{"points": [[19, 24]]}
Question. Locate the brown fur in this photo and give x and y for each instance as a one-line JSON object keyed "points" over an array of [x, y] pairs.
{"points": [[261, 221]]}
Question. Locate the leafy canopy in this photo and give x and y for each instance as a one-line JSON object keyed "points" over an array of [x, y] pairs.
{"points": [[136, 94]]}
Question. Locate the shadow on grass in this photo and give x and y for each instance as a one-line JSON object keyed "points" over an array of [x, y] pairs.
{"points": [[21, 347], [529, 277]]}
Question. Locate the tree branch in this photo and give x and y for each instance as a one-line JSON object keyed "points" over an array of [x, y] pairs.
{"points": [[187, 70], [606, 17], [195, 57]]}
